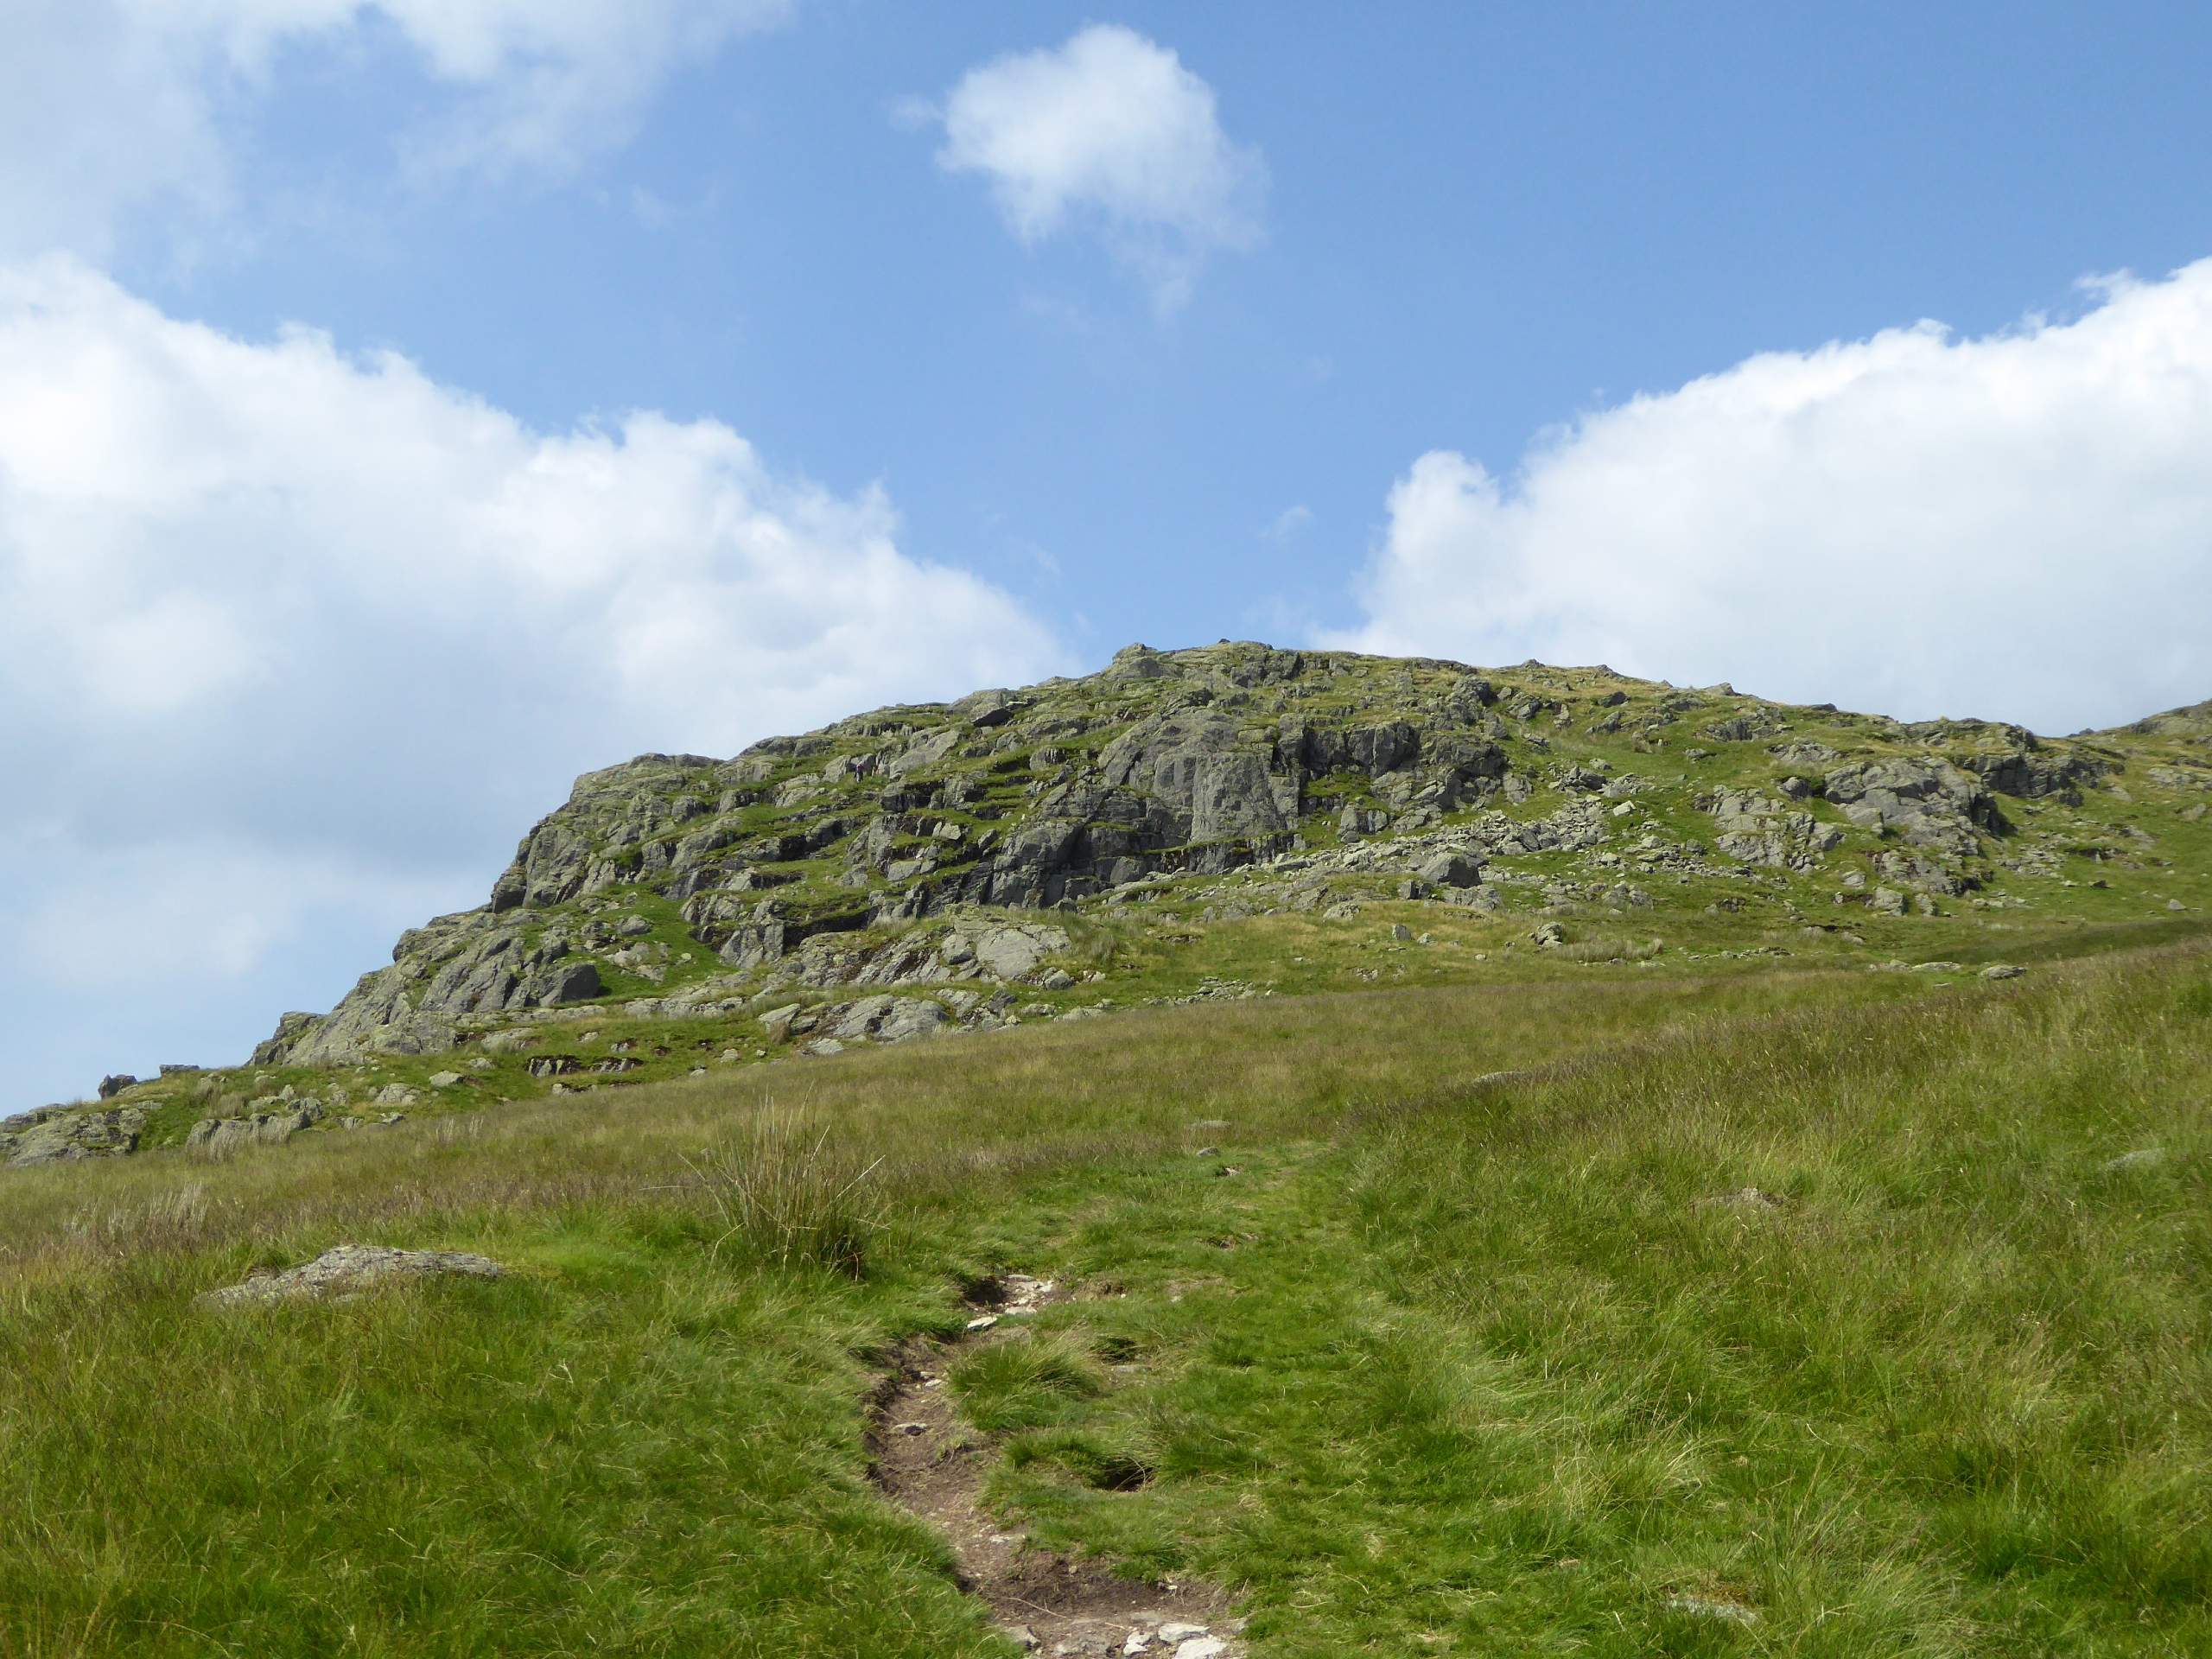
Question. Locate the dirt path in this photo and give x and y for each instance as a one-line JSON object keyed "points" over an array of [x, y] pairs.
{"points": [[928, 1460]]}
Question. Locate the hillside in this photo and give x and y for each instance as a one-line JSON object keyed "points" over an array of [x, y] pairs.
{"points": [[1406, 1160], [1807, 1311], [1232, 820]]}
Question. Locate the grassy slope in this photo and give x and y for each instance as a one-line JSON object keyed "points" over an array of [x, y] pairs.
{"points": [[1450, 1366]]}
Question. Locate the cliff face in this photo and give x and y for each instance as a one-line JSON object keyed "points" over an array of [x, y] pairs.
{"points": [[969, 864]]}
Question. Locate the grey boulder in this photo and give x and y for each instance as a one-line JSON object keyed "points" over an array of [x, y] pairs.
{"points": [[349, 1269]]}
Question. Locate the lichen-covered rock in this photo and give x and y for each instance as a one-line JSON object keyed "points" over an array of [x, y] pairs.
{"points": [[219, 1137], [347, 1270], [1929, 802], [1755, 828], [889, 1018], [59, 1136], [1012, 951]]}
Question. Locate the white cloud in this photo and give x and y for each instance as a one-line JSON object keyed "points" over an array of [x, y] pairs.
{"points": [[1111, 135], [271, 611], [111, 108], [1291, 521], [2017, 526]]}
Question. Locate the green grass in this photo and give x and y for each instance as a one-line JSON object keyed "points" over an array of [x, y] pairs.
{"points": [[1024, 1383], [1949, 1395], [1452, 1362]]}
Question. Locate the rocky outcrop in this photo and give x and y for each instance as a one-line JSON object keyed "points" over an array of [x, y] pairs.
{"points": [[478, 964], [59, 1134], [1931, 804], [923, 868], [1191, 762], [1753, 827], [1197, 780], [910, 846], [2030, 773]]}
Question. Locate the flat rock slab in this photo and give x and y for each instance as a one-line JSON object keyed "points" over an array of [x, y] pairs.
{"points": [[348, 1269]]}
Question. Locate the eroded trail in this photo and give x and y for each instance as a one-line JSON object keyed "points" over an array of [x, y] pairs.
{"points": [[930, 1461]]}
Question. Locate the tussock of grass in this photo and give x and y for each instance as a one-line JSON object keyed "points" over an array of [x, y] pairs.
{"points": [[1025, 1382], [783, 1194]]}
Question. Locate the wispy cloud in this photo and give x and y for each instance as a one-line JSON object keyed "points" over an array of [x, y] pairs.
{"points": [[115, 113]]}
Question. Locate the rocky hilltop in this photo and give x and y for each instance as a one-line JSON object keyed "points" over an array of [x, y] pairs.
{"points": [[1033, 854]]}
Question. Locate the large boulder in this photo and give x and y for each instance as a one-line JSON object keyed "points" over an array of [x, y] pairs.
{"points": [[63, 1136], [1451, 870], [1008, 950]]}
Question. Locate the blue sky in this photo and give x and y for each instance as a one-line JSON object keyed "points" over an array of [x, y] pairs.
{"points": [[1479, 221], [406, 405]]}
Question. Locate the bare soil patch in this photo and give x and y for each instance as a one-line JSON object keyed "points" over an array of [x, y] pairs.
{"points": [[929, 1460]]}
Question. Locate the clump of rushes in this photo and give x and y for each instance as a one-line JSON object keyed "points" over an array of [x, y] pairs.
{"points": [[784, 1195]]}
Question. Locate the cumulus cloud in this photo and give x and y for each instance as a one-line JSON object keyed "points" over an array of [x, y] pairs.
{"points": [[2017, 526], [109, 108], [1109, 135], [268, 606]]}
